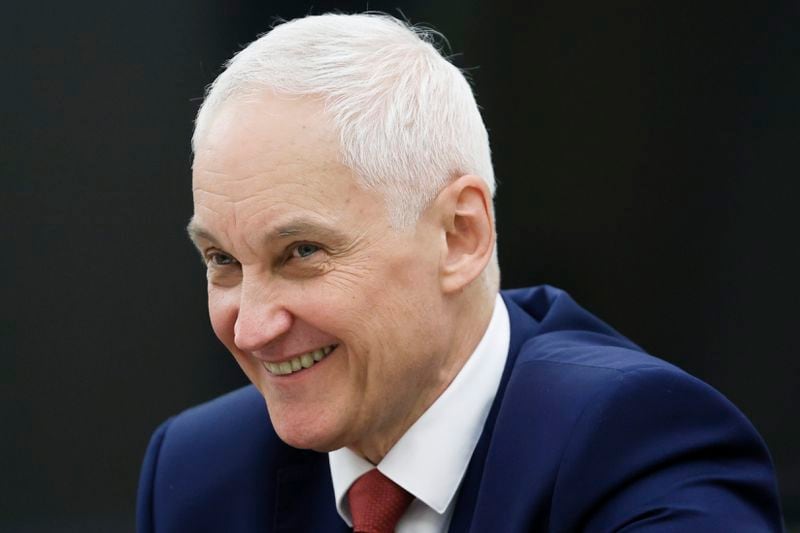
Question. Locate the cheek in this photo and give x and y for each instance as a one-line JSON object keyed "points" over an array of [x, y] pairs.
{"points": [[410, 287]]}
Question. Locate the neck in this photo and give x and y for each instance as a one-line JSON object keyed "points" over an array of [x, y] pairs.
{"points": [[469, 324]]}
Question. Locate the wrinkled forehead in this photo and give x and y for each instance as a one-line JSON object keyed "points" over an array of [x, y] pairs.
{"points": [[273, 158], [253, 130]]}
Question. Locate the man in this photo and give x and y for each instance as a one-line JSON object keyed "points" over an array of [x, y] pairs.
{"points": [[343, 207]]}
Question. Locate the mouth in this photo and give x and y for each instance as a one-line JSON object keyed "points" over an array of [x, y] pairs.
{"points": [[300, 362]]}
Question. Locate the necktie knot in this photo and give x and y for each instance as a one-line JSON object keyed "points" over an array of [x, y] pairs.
{"points": [[377, 503]]}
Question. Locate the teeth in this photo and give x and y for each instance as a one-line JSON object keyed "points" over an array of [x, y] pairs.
{"points": [[307, 360]]}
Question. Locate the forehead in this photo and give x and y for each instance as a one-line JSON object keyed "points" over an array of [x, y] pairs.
{"points": [[270, 157], [266, 132]]}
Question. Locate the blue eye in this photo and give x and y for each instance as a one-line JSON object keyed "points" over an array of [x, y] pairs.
{"points": [[304, 250]]}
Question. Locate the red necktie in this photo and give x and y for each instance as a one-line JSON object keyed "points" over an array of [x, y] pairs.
{"points": [[377, 503]]}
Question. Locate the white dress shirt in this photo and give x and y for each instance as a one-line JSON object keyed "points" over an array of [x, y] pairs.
{"points": [[431, 458]]}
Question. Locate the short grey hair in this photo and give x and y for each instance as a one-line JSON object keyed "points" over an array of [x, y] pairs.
{"points": [[407, 119]]}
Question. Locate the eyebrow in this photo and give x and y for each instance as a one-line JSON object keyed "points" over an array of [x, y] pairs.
{"points": [[299, 227], [305, 227], [196, 232]]}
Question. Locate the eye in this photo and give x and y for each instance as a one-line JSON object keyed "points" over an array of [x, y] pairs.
{"points": [[220, 259], [304, 250]]}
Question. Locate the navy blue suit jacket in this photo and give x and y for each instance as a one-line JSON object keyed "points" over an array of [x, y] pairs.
{"points": [[587, 433]]}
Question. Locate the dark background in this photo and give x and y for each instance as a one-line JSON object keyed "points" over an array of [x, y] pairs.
{"points": [[647, 159]]}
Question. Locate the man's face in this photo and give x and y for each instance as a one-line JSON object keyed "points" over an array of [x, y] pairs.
{"points": [[334, 316]]}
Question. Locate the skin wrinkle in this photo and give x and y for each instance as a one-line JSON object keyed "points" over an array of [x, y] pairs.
{"points": [[299, 228], [197, 190]]}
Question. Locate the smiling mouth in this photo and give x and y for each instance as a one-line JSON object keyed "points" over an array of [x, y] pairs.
{"points": [[301, 362]]}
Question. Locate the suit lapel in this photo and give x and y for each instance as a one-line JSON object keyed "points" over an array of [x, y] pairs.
{"points": [[523, 327]]}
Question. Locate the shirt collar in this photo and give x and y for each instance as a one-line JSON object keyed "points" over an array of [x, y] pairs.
{"points": [[431, 458]]}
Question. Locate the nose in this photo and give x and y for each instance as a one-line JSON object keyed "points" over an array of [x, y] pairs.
{"points": [[261, 317]]}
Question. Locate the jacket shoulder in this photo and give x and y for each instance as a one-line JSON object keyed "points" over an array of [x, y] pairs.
{"points": [[593, 434], [625, 438], [218, 422], [211, 467]]}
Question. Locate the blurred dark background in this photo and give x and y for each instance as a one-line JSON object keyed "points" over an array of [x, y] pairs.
{"points": [[648, 162]]}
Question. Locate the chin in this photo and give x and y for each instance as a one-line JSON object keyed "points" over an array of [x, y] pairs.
{"points": [[306, 435], [307, 440]]}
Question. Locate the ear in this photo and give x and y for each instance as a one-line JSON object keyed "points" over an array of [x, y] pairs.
{"points": [[465, 208]]}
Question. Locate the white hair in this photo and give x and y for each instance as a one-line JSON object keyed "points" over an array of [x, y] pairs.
{"points": [[407, 119]]}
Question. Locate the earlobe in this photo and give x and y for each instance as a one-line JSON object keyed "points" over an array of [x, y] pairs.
{"points": [[469, 232]]}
